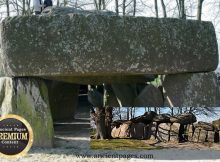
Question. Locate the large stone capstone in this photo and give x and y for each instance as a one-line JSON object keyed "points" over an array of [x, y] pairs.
{"points": [[86, 44]]}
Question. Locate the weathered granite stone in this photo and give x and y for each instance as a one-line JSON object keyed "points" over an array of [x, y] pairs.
{"points": [[162, 118], [211, 136], [190, 131], [123, 131], [204, 125], [109, 98], [146, 118], [219, 136], [194, 90], [174, 132], [150, 96], [163, 133], [115, 132], [216, 124], [125, 93], [200, 135], [63, 99], [184, 118], [152, 131], [28, 97], [196, 135], [203, 136], [89, 44]]}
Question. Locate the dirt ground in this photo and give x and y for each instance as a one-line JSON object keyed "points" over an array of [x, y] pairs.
{"points": [[185, 145]]}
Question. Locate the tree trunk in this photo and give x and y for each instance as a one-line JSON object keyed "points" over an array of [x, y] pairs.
{"points": [[108, 121], [96, 5], [23, 7], [28, 2], [156, 8], [58, 3], [134, 11], [178, 6], [65, 3], [128, 113], [8, 8], [164, 9], [134, 113], [100, 4], [119, 109], [124, 7], [103, 5], [17, 9], [199, 10], [171, 111], [158, 110], [182, 9], [116, 7], [100, 123]]}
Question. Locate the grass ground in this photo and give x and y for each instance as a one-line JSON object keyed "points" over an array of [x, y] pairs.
{"points": [[121, 144]]}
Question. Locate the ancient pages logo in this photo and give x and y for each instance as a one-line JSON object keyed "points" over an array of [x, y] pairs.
{"points": [[16, 136]]}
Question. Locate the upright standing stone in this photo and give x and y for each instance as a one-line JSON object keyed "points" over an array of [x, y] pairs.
{"points": [[174, 132], [203, 136], [153, 130], [219, 136], [125, 93], [211, 136], [190, 131], [124, 130], [195, 90], [110, 98], [150, 96], [196, 135], [216, 124], [28, 97], [63, 99], [115, 132], [163, 133]]}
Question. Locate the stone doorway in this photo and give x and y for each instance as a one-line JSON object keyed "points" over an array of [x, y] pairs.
{"points": [[73, 132]]}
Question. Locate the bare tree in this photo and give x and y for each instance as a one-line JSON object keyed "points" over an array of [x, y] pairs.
{"points": [[123, 7], [134, 6], [199, 10], [99, 117], [182, 9], [8, 7], [156, 8], [164, 9], [116, 7]]}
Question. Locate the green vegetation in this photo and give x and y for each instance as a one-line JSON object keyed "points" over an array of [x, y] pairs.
{"points": [[157, 81], [121, 144]]}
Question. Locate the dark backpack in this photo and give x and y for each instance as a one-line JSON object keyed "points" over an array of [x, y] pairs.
{"points": [[48, 3]]}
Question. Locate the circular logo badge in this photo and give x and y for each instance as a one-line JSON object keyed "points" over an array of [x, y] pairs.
{"points": [[16, 136]]}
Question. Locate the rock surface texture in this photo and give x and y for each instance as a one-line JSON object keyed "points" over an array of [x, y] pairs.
{"points": [[196, 90], [29, 99], [90, 44]]}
